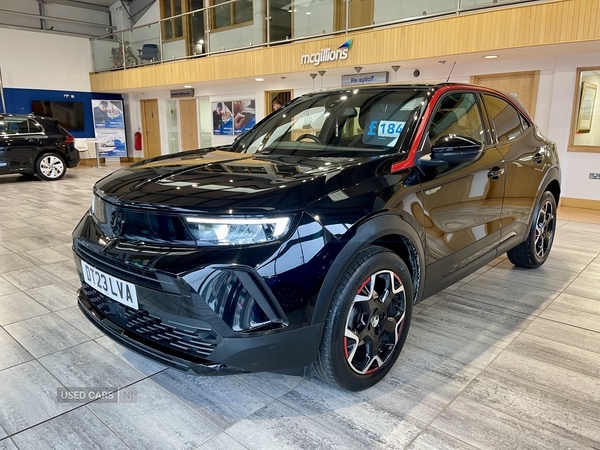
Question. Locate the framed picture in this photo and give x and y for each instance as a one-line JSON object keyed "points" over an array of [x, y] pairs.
{"points": [[586, 107]]}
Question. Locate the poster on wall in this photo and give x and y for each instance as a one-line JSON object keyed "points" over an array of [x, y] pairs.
{"points": [[233, 117], [244, 116], [222, 118], [109, 127]]}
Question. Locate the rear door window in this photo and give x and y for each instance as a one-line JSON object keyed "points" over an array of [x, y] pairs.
{"points": [[34, 127], [507, 122]]}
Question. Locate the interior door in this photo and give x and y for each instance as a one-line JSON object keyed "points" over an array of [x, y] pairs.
{"points": [[521, 85], [150, 128], [462, 202], [188, 120], [360, 13]]}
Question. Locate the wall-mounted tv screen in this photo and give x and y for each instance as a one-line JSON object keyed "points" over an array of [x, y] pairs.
{"points": [[68, 114]]}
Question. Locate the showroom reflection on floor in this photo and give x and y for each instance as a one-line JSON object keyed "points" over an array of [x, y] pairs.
{"points": [[506, 358]]}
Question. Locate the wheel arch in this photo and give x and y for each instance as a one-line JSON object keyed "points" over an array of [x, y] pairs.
{"points": [[385, 230], [46, 151], [551, 183], [554, 188]]}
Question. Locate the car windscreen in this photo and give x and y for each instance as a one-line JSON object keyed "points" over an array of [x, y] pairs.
{"points": [[342, 123]]}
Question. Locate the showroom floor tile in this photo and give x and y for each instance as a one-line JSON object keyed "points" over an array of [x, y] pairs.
{"points": [[506, 358]]}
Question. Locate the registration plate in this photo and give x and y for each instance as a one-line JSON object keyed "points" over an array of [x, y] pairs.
{"points": [[113, 287]]}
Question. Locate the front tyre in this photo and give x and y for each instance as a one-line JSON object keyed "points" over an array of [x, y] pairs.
{"points": [[535, 250], [368, 321], [50, 167]]}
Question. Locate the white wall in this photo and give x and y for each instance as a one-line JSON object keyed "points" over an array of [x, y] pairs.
{"points": [[36, 60], [150, 16]]}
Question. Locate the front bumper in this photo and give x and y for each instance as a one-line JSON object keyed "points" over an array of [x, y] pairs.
{"points": [[130, 341], [181, 331]]}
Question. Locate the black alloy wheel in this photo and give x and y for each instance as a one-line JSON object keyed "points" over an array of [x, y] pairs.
{"points": [[368, 321], [535, 250], [375, 322]]}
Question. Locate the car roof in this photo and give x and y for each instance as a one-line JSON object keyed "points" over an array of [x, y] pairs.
{"points": [[27, 116], [401, 86]]}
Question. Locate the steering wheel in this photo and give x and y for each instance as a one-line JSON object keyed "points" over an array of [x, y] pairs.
{"points": [[309, 136]]}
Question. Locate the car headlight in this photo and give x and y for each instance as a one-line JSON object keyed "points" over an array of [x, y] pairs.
{"points": [[237, 231]]}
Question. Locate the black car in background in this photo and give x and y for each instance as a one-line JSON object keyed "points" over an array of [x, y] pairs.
{"points": [[302, 247], [33, 144]]}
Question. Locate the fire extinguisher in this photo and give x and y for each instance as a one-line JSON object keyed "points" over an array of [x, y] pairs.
{"points": [[138, 141]]}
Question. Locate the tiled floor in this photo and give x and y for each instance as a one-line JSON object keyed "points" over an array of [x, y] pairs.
{"points": [[505, 359]]}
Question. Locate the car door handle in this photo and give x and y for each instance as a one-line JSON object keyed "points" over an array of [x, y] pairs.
{"points": [[538, 158], [495, 173]]}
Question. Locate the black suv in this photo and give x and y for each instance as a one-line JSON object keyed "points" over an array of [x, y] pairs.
{"points": [[34, 144], [302, 247]]}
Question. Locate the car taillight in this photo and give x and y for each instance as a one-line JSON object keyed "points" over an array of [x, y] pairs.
{"points": [[69, 139]]}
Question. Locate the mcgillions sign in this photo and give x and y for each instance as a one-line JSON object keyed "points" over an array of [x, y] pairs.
{"points": [[327, 54]]}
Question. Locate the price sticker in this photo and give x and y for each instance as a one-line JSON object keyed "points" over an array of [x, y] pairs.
{"points": [[390, 128]]}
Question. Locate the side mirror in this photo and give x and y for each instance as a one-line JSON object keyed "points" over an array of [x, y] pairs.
{"points": [[455, 149]]}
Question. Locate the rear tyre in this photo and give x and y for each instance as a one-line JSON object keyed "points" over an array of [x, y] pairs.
{"points": [[368, 321], [535, 250], [50, 167]]}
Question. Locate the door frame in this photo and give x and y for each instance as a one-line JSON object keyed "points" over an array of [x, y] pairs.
{"points": [[269, 100]]}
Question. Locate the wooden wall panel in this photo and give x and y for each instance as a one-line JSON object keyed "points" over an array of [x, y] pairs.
{"points": [[553, 22]]}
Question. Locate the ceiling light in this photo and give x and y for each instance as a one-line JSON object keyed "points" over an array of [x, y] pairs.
{"points": [[259, 79], [187, 86], [308, 13], [490, 56]]}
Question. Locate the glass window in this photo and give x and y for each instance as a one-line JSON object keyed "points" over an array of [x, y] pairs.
{"points": [[173, 28], [172, 126], [231, 14], [243, 11], [34, 127], [586, 128], [371, 121], [457, 114], [222, 14], [507, 120], [15, 125]]}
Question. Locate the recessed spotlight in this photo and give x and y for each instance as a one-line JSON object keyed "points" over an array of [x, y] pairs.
{"points": [[490, 56], [259, 79], [187, 86], [308, 13]]}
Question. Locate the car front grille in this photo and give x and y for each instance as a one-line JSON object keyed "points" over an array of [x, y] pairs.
{"points": [[194, 341]]}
